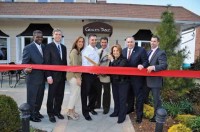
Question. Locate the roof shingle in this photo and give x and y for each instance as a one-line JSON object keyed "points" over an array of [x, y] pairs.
{"points": [[95, 10]]}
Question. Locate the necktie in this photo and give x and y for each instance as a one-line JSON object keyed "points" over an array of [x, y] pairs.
{"points": [[129, 54], [101, 54], [59, 50], [149, 54]]}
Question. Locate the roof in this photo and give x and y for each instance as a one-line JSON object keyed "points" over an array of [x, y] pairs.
{"points": [[107, 11]]}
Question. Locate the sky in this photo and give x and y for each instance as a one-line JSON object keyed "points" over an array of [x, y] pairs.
{"points": [[192, 5]]}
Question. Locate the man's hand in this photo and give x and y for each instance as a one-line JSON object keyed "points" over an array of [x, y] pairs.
{"points": [[49, 80], [150, 69], [28, 70], [140, 67]]}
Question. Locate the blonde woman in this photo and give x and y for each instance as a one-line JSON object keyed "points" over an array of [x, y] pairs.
{"points": [[74, 78]]}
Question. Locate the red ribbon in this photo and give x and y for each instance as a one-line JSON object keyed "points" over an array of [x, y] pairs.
{"points": [[105, 70]]}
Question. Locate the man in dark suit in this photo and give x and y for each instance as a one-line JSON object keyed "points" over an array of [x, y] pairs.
{"points": [[137, 58], [35, 79], [55, 54], [158, 62]]}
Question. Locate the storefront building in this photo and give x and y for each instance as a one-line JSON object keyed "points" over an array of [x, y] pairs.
{"points": [[116, 21]]}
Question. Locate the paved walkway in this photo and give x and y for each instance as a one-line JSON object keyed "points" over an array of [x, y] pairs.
{"points": [[100, 122]]}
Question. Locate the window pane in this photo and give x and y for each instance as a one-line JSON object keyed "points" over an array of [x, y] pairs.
{"points": [[68, 0], [3, 48], [9, 0], [42, 0]]}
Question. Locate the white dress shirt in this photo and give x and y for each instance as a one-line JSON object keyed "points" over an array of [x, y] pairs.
{"points": [[39, 48], [91, 53]]}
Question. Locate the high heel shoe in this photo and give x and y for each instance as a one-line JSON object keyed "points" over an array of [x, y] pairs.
{"points": [[71, 116], [76, 114]]}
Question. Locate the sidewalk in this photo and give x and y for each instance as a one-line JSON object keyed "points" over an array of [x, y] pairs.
{"points": [[99, 123]]}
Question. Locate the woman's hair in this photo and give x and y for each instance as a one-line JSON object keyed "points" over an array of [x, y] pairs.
{"points": [[74, 46], [118, 46]]}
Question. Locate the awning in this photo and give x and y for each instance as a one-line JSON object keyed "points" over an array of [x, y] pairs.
{"points": [[45, 28], [143, 34], [3, 34]]}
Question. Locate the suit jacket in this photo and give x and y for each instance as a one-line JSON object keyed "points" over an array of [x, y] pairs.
{"points": [[159, 60], [31, 55], [52, 57], [138, 56], [119, 62], [104, 61], [75, 60]]}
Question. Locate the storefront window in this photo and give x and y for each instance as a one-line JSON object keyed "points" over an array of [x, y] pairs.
{"points": [[68, 0], [24, 41], [3, 48]]}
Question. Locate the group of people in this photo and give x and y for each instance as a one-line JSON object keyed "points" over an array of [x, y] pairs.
{"points": [[125, 89]]}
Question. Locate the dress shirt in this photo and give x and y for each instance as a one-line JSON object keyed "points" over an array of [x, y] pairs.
{"points": [[39, 48], [60, 48], [91, 53], [153, 51], [128, 52]]}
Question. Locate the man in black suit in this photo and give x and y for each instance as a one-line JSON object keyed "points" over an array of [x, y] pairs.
{"points": [[158, 62], [55, 54], [137, 58], [35, 79]]}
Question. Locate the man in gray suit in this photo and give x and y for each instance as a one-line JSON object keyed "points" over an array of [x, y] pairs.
{"points": [[35, 79], [104, 79], [157, 62]]}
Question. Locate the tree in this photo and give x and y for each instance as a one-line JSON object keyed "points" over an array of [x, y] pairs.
{"points": [[174, 88]]}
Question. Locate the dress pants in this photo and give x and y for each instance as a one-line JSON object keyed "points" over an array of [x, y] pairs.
{"points": [[88, 89], [99, 94], [55, 97], [130, 100], [137, 85], [120, 91], [35, 94], [74, 93], [156, 99], [106, 96]]}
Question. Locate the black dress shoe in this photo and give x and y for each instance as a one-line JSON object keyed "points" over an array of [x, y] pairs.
{"points": [[52, 119], [93, 112], [35, 119], [88, 118], [130, 111], [113, 114], [40, 115], [152, 119], [120, 121], [138, 120], [105, 111], [60, 116]]}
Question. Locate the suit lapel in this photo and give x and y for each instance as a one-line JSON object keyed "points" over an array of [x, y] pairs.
{"points": [[36, 49]]}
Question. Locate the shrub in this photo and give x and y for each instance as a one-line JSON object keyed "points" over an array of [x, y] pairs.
{"points": [[185, 119], [173, 109], [186, 106], [9, 115], [195, 124], [148, 111], [179, 128]]}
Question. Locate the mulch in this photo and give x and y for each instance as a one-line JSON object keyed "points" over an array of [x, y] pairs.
{"points": [[147, 126]]}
